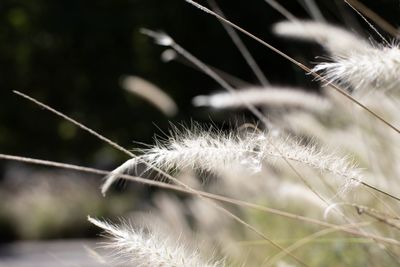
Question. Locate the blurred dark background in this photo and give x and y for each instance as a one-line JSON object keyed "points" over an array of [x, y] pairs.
{"points": [[70, 54]]}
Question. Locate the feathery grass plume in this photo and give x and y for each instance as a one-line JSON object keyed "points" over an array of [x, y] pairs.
{"points": [[265, 96], [372, 68], [336, 40], [149, 249], [168, 55], [150, 93], [216, 151], [159, 37], [205, 150], [114, 176]]}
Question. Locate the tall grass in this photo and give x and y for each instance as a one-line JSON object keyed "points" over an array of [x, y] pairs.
{"points": [[313, 184]]}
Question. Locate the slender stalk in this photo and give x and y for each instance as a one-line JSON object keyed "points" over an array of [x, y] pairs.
{"points": [[380, 191], [369, 23], [282, 10], [314, 10], [241, 46], [381, 22]]}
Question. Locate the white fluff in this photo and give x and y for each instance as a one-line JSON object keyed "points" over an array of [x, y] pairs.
{"points": [[151, 93], [265, 96], [160, 38], [373, 68], [148, 249], [336, 40], [204, 150], [168, 55], [115, 174]]}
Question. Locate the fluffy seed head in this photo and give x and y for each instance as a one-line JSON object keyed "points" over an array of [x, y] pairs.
{"points": [[168, 55], [336, 40], [160, 38], [151, 93], [278, 97], [217, 151], [373, 68], [142, 248]]}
